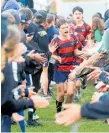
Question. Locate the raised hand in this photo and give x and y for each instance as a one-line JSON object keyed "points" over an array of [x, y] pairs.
{"points": [[70, 115], [16, 117], [95, 74], [36, 56], [52, 47], [39, 102]]}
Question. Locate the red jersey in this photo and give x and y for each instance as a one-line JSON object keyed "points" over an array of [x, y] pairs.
{"points": [[66, 50], [84, 30]]}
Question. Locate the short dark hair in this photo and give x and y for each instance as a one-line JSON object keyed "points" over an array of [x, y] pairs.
{"points": [[61, 22], [27, 12], [41, 16], [55, 15], [50, 18], [77, 8]]}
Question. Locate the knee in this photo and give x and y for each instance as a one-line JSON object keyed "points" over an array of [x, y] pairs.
{"points": [[71, 92], [61, 94]]}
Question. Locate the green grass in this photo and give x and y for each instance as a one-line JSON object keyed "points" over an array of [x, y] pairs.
{"points": [[91, 125], [47, 118]]}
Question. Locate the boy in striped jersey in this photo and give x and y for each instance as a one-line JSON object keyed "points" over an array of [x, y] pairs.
{"points": [[84, 30], [81, 26], [65, 57]]}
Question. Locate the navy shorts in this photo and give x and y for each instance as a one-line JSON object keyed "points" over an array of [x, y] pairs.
{"points": [[60, 76]]}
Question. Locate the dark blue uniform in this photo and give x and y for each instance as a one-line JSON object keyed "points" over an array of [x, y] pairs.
{"points": [[41, 38], [99, 110], [52, 31]]}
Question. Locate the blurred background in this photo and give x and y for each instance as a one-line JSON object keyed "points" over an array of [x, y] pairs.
{"points": [[64, 7]]}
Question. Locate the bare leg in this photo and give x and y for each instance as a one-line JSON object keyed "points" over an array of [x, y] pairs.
{"points": [[44, 80], [60, 92], [78, 88], [71, 88], [60, 96]]}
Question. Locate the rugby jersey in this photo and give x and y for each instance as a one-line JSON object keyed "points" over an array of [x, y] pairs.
{"points": [[84, 30], [81, 42], [81, 33], [66, 50], [80, 37]]}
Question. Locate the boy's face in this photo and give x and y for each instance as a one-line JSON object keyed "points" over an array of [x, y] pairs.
{"points": [[78, 16], [64, 29]]}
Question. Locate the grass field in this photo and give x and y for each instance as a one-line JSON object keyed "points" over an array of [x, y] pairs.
{"points": [[47, 118]]}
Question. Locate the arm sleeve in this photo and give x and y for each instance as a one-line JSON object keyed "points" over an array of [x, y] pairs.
{"points": [[99, 110], [106, 40], [27, 60], [102, 98], [16, 105], [106, 68], [41, 38], [104, 77], [31, 65]]}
